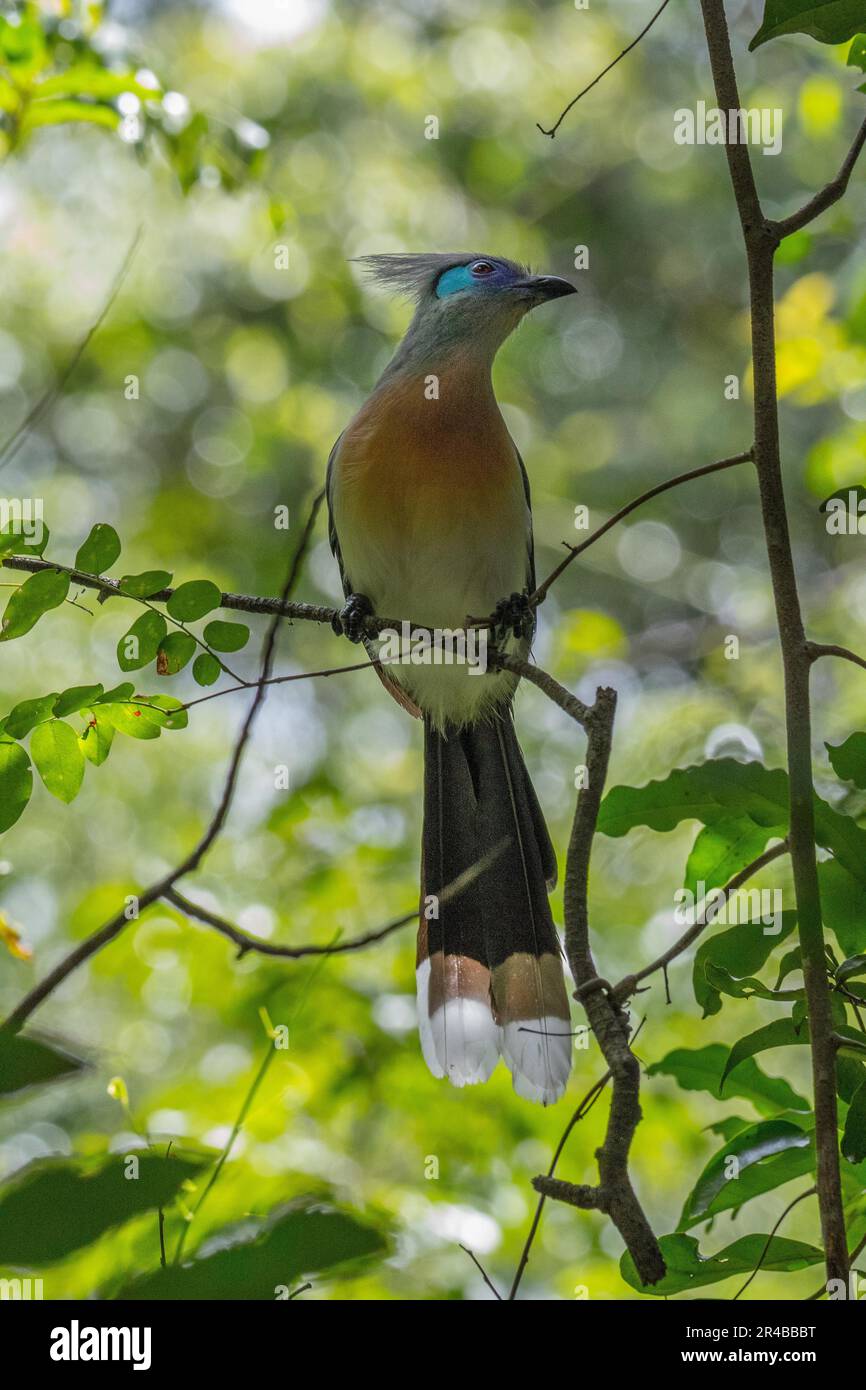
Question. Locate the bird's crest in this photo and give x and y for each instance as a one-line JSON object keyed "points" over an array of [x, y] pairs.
{"points": [[415, 273]]}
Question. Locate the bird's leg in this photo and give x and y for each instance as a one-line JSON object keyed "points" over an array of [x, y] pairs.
{"points": [[352, 616], [512, 615]]}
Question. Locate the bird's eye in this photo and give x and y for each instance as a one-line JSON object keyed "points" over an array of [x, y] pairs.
{"points": [[481, 268]]}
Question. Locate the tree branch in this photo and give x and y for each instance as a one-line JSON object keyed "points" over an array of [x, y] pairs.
{"points": [[814, 650], [115, 925], [245, 942], [761, 240], [614, 1193], [827, 196]]}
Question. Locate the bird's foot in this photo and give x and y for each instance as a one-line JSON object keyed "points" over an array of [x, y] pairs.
{"points": [[512, 616], [352, 616]]}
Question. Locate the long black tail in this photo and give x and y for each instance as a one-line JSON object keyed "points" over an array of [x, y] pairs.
{"points": [[489, 964]]}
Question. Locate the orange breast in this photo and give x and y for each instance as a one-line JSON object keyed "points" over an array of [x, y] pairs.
{"points": [[411, 455]]}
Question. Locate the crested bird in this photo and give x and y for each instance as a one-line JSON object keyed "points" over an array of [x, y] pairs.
{"points": [[430, 520]]}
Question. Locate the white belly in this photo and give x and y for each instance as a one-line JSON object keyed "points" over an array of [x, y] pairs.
{"points": [[437, 580]]}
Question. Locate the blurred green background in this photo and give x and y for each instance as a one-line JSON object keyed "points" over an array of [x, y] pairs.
{"points": [[248, 372]]}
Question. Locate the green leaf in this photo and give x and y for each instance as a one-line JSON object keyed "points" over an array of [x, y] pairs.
{"points": [[687, 1268], [853, 499], [37, 595], [175, 651], [708, 792], [137, 720], [854, 965], [206, 669], [29, 1060], [701, 1069], [193, 599], [848, 759], [87, 79], [146, 584], [850, 1075], [117, 695], [294, 1242], [763, 1157], [725, 847], [843, 907], [743, 947], [226, 637], [59, 1205], [746, 986], [14, 541], [176, 716], [97, 737], [99, 551], [828, 21], [783, 1032], [61, 112], [58, 758], [16, 783], [26, 715], [792, 960], [857, 54], [854, 1138], [75, 698], [713, 791], [139, 646]]}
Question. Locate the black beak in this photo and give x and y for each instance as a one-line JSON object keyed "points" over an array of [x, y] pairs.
{"points": [[545, 287]]}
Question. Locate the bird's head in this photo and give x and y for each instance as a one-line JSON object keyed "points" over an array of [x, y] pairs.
{"points": [[464, 299]]}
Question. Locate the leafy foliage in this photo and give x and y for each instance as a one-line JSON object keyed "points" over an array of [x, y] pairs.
{"points": [[829, 21]]}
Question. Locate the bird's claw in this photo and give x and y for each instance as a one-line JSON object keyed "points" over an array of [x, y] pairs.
{"points": [[352, 616], [512, 616]]}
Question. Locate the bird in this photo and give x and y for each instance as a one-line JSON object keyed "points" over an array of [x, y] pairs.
{"points": [[430, 520]]}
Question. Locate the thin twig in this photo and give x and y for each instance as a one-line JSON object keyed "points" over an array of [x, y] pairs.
{"points": [[815, 650], [827, 196], [858, 1250], [16, 439], [582, 1110], [541, 592], [481, 1270], [245, 942], [810, 1192], [115, 925], [554, 128], [629, 983]]}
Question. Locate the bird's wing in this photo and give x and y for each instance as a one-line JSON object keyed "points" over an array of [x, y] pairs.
{"points": [[333, 538], [391, 686], [530, 573]]}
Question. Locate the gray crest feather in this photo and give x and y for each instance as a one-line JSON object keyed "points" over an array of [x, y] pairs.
{"points": [[415, 273]]}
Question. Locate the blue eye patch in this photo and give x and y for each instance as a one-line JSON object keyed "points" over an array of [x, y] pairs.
{"points": [[460, 277]]}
